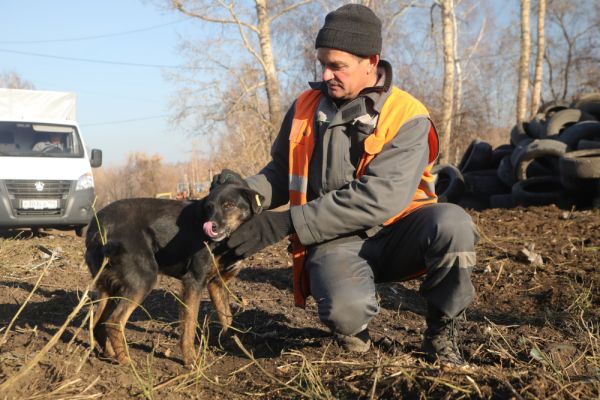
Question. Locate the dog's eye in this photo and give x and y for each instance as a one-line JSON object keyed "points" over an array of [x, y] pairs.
{"points": [[228, 205]]}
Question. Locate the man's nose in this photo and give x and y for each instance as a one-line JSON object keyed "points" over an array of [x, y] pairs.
{"points": [[327, 74]]}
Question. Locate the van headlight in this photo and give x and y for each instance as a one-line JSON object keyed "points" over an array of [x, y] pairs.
{"points": [[85, 181]]}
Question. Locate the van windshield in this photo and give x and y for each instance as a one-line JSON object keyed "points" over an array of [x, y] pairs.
{"points": [[24, 139]]}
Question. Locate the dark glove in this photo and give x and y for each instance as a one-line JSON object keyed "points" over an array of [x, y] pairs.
{"points": [[260, 231], [227, 176]]}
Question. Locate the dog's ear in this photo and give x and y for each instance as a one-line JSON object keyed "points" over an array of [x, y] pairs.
{"points": [[255, 200]]}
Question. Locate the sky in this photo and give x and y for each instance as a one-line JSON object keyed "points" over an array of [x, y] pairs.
{"points": [[113, 55]]}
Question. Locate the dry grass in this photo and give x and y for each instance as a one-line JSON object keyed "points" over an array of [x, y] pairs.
{"points": [[558, 359]]}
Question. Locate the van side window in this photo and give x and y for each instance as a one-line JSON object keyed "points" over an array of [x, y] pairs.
{"points": [[7, 142]]}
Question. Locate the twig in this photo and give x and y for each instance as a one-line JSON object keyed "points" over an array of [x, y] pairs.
{"points": [[513, 390], [264, 371], [37, 284], [52, 342], [472, 381], [377, 374], [498, 275]]}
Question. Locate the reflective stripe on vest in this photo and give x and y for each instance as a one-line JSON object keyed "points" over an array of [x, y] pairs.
{"points": [[399, 108]]}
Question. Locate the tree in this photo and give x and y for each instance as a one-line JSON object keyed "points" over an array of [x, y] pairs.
{"points": [[573, 50], [449, 38], [142, 176], [524, 62], [12, 80], [254, 31], [536, 92]]}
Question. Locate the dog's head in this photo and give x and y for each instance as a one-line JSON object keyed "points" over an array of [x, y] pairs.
{"points": [[227, 206]]}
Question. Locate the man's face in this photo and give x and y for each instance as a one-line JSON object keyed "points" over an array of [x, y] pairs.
{"points": [[346, 74], [55, 138]]}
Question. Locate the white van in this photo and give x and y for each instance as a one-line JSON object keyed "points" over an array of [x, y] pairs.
{"points": [[45, 175]]}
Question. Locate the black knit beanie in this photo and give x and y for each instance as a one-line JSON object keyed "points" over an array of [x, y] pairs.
{"points": [[353, 28]]}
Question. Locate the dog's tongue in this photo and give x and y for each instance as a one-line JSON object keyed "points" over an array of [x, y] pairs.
{"points": [[208, 229]]}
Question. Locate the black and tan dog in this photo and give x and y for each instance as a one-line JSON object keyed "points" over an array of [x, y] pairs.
{"points": [[141, 238]]}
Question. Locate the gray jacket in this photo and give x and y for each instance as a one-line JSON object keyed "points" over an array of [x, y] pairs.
{"points": [[338, 203]]}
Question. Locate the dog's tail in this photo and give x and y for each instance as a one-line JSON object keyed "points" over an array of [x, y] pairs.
{"points": [[112, 249], [97, 252]]}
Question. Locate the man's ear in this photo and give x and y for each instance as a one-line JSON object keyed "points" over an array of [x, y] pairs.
{"points": [[373, 62], [256, 200]]}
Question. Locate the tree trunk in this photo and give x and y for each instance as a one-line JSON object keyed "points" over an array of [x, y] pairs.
{"points": [[459, 77], [524, 62], [448, 89], [539, 60], [271, 81]]}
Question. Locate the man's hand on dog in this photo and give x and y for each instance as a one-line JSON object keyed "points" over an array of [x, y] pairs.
{"points": [[261, 231]]}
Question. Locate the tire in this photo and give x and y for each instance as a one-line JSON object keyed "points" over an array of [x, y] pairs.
{"points": [[581, 164], [484, 183], [538, 191], [588, 144], [506, 172], [519, 133], [590, 103], [564, 119], [502, 201], [583, 130], [449, 184], [523, 156], [469, 201], [476, 157], [499, 153], [552, 107], [537, 127]]}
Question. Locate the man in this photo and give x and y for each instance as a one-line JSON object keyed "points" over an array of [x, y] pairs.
{"points": [[52, 145], [353, 157]]}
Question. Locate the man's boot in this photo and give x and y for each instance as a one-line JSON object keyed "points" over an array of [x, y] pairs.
{"points": [[439, 342], [359, 343]]}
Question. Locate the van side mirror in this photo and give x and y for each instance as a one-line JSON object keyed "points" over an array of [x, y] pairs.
{"points": [[96, 158]]}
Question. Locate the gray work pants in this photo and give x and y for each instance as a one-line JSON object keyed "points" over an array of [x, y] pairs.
{"points": [[439, 239]]}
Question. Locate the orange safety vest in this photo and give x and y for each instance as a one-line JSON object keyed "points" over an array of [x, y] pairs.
{"points": [[397, 109]]}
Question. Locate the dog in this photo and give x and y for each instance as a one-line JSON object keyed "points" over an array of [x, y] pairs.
{"points": [[141, 238]]}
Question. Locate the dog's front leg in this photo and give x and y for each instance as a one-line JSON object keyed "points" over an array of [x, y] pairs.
{"points": [[219, 295]]}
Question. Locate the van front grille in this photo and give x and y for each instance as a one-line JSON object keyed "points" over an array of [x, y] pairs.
{"points": [[38, 189]]}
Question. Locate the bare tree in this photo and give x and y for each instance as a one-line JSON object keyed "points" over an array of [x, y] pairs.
{"points": [[12, 80], [251, 30], [524, 62], [573, 50], [536, 92], [449, 38]]}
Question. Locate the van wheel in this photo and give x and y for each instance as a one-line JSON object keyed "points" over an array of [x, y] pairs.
{"points": [[79, 231]]}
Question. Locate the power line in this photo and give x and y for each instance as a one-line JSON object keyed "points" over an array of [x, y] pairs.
{"points": [[127, 64], [125, 120], [124, 33]]}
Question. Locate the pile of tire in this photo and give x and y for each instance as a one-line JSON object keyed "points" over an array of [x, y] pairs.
{"points": [[552, 159]]}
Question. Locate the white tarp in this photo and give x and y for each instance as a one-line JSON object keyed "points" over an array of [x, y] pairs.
{"points": [[35, 105]]}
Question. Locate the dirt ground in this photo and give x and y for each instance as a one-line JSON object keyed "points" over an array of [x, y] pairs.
{"points": [[533, 331]]}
